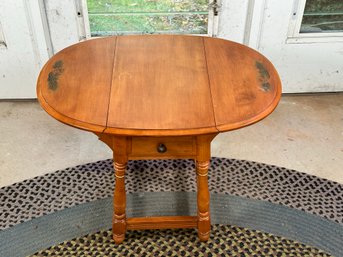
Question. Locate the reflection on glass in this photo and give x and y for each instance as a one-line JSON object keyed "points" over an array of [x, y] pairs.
{"points": [[113, 17], [322, 16]]}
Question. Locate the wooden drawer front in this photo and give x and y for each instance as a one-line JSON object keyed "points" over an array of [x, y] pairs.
{"points": [[175, 146]]}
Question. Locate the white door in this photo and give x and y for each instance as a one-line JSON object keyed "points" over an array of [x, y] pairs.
{"points": [[304, 40], [23, 48]]}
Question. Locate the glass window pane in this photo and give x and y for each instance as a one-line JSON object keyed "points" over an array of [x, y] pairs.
{"points": [[322, 16], [148, 24], [113, 17]]}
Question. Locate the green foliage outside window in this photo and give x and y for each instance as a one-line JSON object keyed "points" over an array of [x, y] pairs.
{"points": [[110, 17]]}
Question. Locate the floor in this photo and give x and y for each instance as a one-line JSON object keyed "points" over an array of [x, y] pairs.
{"points": [[304, 133]]}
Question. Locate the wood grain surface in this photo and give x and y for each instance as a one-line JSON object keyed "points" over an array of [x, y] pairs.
{"points": [[162, 222], [245, 86], [77, 92], [158, 85]]}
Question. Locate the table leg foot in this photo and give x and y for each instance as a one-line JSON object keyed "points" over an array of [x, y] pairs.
{"points": [[203, 200], [203, 237], [118, 239], [204, 226]]}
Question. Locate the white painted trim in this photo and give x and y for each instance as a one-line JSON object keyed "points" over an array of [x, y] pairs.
{"points": [[254, 24], [299, 16], [314, 40], [79, 20], [3, 44], [213, 21], [210, 23], [320, 35], [82, 22], [85, 16], [36, 30], [248, 22], [293, 19], [45, 25], [215, 27]]}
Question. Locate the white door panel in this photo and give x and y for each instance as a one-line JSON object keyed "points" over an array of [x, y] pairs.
{"points": [[21, 54], [232, 20], [314, 65], [63, 23]]}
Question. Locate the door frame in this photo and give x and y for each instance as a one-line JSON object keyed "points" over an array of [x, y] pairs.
{"points": [[39, 30]]}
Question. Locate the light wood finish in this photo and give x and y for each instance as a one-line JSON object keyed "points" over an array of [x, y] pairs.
{"points": [[245, 86], [203, 196], [164, 222], [80, 96], [152, 74], [203, 200], [159, 97], [176, 147], [119, 203], [119, 147], [126, 148], [159, 85]]}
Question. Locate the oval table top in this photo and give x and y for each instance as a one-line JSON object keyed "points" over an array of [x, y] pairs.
{"points": [[158, 85]]}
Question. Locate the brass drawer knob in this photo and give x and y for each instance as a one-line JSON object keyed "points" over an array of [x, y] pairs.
{"points": [[161, 148]]}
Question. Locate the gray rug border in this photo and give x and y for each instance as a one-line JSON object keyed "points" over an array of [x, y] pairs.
{"points": [[40, 233], [320, 191]]}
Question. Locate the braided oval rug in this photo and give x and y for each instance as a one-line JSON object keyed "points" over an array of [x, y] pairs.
{"points": [[256, 210]]}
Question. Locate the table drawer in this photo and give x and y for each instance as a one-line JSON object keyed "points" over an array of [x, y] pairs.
{"points": [[163, 147]]}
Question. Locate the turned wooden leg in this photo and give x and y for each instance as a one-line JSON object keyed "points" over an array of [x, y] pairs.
{"points": [[119, 203], [203, 200]]}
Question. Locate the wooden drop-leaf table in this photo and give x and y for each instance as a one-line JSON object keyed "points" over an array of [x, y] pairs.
{"points": [[159, 97]]}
